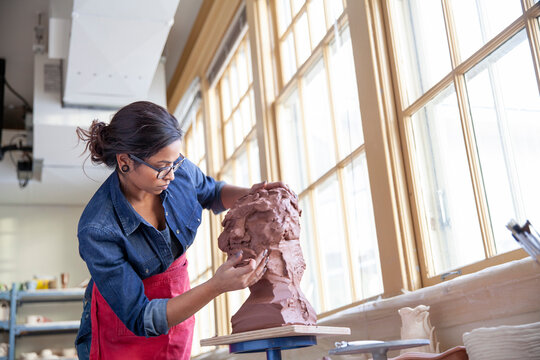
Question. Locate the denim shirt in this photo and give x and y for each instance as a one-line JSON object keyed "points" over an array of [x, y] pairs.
{"points": [[121, 249]]}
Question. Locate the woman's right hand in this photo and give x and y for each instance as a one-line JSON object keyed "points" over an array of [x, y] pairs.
{"points": [[229, 276]]}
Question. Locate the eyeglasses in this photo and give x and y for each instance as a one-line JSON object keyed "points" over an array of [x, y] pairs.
{"points": [[164, 171]]}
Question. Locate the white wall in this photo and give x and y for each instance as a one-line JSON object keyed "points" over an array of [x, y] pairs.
{"points": [[40, 240]]}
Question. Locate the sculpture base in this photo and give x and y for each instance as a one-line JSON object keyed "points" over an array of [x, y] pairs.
{"points": [[273, 340]]}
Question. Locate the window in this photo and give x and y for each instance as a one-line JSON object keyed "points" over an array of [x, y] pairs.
{"points": [[240, 153], [322, 154], [468, 106], [200, 256], [450, 101]]}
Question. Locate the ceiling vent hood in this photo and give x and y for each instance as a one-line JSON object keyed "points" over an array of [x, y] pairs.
{"points": [[114, 50]]}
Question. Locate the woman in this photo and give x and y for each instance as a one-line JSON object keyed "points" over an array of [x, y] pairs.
{"points": [[134, 233]]}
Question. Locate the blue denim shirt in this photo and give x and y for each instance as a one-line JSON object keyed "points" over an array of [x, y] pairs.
{"points": [[121, 249]]}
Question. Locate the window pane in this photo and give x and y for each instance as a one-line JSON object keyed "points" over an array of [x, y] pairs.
{"points": [[302, 39], [335, 9], [246, 117], [333, 250], [345, 95], [227, 176], [283, 15], [235, 299], [288, 57], [248, 57], [242, 71], [225, 97], [445, 187], [238, 131], [297, 5], [317, 22], [229, 139], [291, 143], [233, 77], [199, 136], [252, 107], [420, 38], [505, 107], [254, 164], [478, 21], [242, 170], [309, 284], [320, 135], [362, 232]]}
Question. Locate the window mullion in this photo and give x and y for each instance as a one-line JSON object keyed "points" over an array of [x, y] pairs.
{"points": [[352, 273], [474, 167], [318, 256], [452, 41], [468, 135], [533, 32]]}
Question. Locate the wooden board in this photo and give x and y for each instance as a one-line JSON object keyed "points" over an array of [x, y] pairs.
{"points": [[282, 331]]}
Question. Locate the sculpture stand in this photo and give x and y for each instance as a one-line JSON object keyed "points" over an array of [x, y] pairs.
{"points": [[273, 340]]}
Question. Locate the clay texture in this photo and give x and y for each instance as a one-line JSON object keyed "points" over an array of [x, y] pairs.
{"points": [[269, 219]]}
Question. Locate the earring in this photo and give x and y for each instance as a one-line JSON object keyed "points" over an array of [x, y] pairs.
{"points": [[125, 168]]}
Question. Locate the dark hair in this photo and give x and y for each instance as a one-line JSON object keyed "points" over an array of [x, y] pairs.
{"points": [[141, 128]]}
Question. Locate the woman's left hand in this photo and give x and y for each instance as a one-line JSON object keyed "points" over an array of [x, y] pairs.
{"points": [[267, 186]]}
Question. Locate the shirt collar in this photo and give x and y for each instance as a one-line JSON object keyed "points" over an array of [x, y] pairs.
{"points": [[129, 218]]}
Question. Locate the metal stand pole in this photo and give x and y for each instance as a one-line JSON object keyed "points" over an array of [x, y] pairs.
{"points": [[380, 354], [273, 354]]}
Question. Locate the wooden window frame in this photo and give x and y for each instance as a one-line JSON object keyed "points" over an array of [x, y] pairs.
{"points": [[455, 77]]}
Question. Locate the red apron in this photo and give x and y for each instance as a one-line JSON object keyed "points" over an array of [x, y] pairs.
{"points": [[112, 340]]}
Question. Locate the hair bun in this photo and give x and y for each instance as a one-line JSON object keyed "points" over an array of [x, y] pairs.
{"points": [[95, 138]]}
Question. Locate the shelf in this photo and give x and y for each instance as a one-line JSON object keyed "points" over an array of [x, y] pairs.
{"points": [[53, 326], [5, 295], [4, 325], [53, 295], [3, 358]]}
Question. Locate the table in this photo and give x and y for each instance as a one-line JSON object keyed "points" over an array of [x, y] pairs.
{"points": [[378, 350]]}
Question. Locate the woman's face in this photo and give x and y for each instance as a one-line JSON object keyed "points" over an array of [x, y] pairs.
{"points": [[145, 178]]}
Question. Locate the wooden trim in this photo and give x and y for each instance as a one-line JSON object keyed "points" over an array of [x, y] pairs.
{"points": [[533, 32], [340, 165], [482, 264], [378, 122], [474, 167], [263, 89], [349, 254], [210, 36], [202, 16], [315, 53]]}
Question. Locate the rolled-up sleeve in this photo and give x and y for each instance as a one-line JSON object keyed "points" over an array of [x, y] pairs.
{"points": [[119, 284], [155, 317], [208, 189]]}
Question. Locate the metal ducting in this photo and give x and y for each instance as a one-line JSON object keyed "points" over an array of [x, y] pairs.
{"points": [[114, 50]]}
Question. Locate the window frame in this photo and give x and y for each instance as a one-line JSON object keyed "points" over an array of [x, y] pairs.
{"points": [[403, 118]]}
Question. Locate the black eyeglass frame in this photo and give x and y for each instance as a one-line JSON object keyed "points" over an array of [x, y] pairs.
{"points": [[165, 170]]}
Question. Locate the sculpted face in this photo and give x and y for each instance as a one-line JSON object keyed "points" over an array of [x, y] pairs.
{"points": [[269, 219]]}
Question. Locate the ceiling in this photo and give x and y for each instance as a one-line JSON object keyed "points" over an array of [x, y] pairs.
{"points": [[159, 48]]}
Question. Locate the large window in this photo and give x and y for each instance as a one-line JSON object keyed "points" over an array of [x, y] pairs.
{"points": [[322, 154], [200, 254], [469, 107], [240, 152], [436, 102], [240, 155]]}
